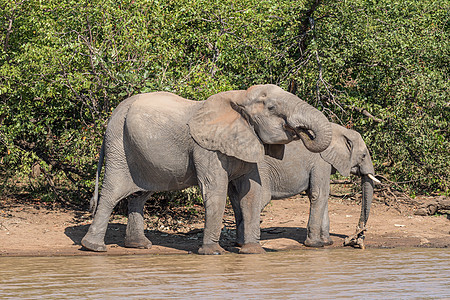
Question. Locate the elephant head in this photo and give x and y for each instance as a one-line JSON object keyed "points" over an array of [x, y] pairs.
{"points": [[348, 154], [240, 123]]}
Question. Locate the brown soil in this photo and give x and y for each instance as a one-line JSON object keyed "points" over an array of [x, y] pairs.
{"points": [[30, 230]]}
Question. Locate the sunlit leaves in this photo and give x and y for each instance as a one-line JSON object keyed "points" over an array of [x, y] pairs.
{"points": [[65, 65]]}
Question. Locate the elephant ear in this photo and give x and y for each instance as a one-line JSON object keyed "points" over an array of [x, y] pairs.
{"points": [[339, 153], [218, 126]]}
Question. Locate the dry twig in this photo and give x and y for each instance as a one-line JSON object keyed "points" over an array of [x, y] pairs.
{"points": [[367, 114]]}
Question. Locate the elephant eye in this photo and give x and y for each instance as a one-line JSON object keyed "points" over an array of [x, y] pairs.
{"points": [[349, 144], [271, 107]]}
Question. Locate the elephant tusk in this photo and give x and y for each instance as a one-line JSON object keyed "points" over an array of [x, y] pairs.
{"points": [[373, 178]]}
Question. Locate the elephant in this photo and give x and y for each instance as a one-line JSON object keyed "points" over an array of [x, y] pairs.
{"points": [[161, 142], [301, 170]]}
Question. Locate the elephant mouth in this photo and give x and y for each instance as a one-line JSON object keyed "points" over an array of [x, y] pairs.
{"points": [[357, 171], [299, 132]]}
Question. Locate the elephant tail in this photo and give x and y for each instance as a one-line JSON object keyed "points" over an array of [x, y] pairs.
{"points": [[94, 200]]}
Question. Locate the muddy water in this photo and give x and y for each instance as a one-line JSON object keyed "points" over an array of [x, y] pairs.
{"points": [[324, 274]]}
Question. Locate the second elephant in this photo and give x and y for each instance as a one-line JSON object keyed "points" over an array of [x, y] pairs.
{"points": [[301, 170]]}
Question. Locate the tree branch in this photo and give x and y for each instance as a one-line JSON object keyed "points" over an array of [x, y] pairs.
{"points": [[53, 187], [367, 114], [31, 147]]}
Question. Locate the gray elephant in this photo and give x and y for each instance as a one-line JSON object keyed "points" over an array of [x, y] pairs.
{"points": [[301, 170], [160, 142]]}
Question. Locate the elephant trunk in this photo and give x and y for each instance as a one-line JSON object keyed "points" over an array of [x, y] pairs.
{"points": [[367, 197], [305, 119], [368, 178], [357, 239]]}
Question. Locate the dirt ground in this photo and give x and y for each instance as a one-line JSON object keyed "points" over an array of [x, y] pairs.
{"points": [[30, 230]]}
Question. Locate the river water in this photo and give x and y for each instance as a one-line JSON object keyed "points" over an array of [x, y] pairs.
{"points": [[318, 274]]}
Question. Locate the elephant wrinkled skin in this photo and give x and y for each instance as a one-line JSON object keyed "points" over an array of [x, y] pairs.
{"points": [[161, 142], [301, 170]]}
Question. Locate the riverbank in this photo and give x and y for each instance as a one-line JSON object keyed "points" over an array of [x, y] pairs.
{"points": [[30, 230]]}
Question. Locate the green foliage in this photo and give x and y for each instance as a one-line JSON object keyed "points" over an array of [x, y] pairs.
{"points": [[392, 59], [65, 65]]}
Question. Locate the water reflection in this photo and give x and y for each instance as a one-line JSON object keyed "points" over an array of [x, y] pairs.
{"points": [[324, 274]]}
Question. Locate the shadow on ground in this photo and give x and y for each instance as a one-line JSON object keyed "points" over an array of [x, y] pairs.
{"points": [[295, 233], [191, 241]]}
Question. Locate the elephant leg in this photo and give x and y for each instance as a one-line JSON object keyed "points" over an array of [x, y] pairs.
{"points": [[213, 182], [318, 195], [135, 234], [251, 213], [325, 228], [214, 201], [212, 177], [111, 194], [95, 237], [234, 196]]}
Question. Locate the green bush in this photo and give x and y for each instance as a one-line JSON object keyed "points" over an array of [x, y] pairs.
{"points": [[65, 65], [392, 60]]}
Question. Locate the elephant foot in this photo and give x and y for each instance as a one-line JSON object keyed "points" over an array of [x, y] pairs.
{"points": [[252, 248], [211, 249], [140, 243], [327, 241], [313, 243], [239, 243], [93, 246]]}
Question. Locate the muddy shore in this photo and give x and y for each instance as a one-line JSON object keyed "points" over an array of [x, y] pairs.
{"points": [[30, 230]]}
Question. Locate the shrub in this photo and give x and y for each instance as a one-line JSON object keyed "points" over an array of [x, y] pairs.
{"points": [[377, 66]]}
